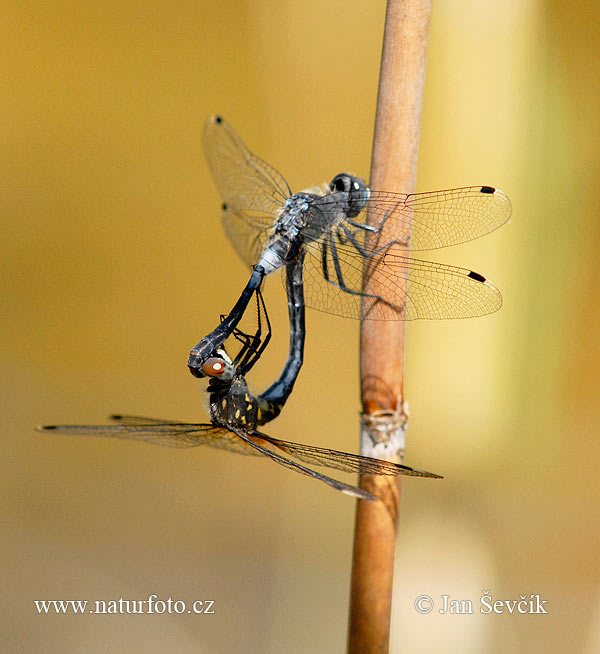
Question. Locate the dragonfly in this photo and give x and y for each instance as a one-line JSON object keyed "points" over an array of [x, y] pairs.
{"points": [[236, 414], [269, 226]]}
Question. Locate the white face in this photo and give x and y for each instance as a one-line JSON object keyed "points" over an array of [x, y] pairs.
{"points": [[221, 352]]}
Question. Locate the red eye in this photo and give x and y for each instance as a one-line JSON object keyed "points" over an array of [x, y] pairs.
{"points": [[214, 367]]}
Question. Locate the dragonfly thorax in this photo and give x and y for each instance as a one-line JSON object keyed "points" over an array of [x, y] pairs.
{"points": [[294, 216], [233, 404], [287, 237]]}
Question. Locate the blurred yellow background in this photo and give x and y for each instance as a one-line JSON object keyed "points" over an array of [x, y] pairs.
{"points": [[114, 264]]}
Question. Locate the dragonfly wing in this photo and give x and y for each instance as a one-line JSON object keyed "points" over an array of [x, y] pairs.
{"points": [[147, 430], [333, 282], [345, 461], [249, 234], [435, 291], [253, 441], [252, 191], [407, 288], [125, 419], [437, 219]]}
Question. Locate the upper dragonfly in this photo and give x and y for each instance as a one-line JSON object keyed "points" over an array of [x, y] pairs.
{"points": [[269, 226]]}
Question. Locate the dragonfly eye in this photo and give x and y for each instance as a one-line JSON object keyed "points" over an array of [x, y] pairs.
{"points": [[341, 183], [215, 367], [355, 187]]}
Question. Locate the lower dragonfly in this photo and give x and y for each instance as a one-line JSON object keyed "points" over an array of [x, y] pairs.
{"points": [[268, 226], [235, 413]]}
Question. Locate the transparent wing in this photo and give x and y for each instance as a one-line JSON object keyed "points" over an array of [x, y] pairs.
{"points": [[243, 180], [344, 461], [149, 430], [252, 191], [335, 459], [409, 288], [126, 419], [248, 234], [182, 435], [437, 219], [254, 442]]}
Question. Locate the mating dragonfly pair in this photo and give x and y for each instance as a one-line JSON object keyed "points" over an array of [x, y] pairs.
{"points": [[325, 246]]}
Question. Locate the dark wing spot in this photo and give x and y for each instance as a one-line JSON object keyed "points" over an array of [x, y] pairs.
{"points": [[48, 427], [488, 189], [476, 276], [218, 120], [224, 206]]}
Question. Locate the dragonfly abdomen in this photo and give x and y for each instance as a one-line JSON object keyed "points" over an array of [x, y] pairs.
{"points": [[268, 410]]}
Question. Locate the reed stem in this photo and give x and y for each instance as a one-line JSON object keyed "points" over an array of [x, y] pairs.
{"points": [[393, 167]]}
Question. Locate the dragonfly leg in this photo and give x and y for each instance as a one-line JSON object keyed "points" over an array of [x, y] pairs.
{"points": [[207, 346], [378, 229], [342, 285], [324, 265], [366, 228], [404, 242], [369, 254], [255, 345]]}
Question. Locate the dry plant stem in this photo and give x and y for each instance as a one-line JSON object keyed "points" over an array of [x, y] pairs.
{"points": [[394, 166]]}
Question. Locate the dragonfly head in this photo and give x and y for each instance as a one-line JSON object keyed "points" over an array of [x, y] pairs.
{"points": [[356, 188], [218, 368]]}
